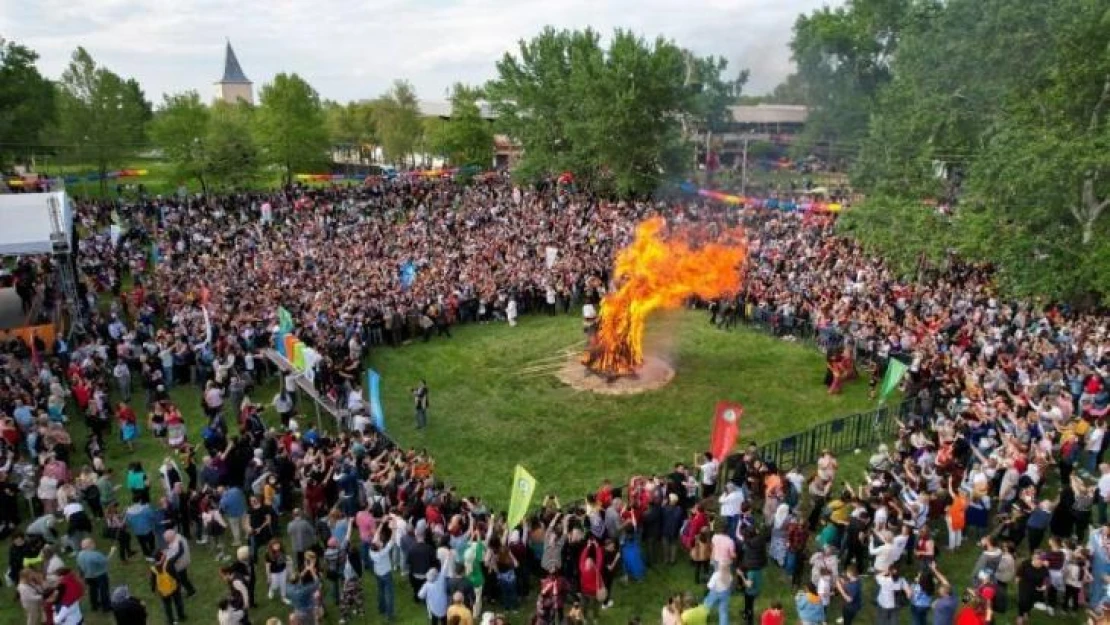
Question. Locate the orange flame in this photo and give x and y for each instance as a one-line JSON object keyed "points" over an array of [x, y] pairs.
{"points": [[660, 270]]}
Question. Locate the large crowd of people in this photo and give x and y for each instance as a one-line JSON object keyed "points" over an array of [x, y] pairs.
{"points": [[1005, 444]]}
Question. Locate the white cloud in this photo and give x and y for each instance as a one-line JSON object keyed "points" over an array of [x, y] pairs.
{"points": [[353, 50]]}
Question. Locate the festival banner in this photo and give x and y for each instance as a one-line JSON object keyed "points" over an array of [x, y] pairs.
{"points": [[298, 355], [408, 274], [726, 429], [373, 389], [285, 320], [895, 369], [524, 485]]}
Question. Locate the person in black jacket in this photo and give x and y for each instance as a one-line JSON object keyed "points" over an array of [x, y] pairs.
{"points": [[421, 558], [127, 609], [753, 559]]}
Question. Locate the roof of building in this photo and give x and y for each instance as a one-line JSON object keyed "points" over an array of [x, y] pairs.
{"points": [[442, 108], [232, 72], [769, 114]]}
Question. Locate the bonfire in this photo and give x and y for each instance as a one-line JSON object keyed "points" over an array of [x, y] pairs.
{"points": [[661, 269]]}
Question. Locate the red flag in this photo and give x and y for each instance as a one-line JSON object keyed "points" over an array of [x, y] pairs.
{"points": [[726, 428]]}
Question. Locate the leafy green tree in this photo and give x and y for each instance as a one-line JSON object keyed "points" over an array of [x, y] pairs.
{"points": [[466, 138], [997, 109], [100, 115], [610, 115], [26, 102], [397, 119], [843, 56], [351, 127], [180, 131], [290, 125], [233, 159]]}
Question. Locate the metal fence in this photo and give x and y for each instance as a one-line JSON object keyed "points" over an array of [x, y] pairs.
{"points": [[842, 434]]}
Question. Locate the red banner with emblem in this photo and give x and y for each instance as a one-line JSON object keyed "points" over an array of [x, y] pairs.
{"points": [[726, 428]]}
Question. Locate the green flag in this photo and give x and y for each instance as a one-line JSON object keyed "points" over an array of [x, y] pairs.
{"points": [[895, 369], [285, 320], [523, 487]]}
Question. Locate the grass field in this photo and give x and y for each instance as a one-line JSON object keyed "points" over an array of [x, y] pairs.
{"points": [[485, 418]]}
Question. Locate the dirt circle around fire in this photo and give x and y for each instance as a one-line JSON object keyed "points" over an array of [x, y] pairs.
{"points": [[654, 374]]}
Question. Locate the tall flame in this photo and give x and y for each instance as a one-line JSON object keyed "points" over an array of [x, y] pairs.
{"points": [[661, 270]]}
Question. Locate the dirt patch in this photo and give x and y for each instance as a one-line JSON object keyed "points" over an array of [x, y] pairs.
{"points": [[654, 374]]}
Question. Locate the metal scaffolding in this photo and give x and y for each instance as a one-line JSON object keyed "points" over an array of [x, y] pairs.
{"points": [[64, 260]]}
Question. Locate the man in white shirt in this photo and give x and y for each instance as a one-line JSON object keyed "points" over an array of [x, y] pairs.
{"points": [[1093, 446], [1103, 491], [888, 604], [730, 502], [708, 475], [123, 380]]}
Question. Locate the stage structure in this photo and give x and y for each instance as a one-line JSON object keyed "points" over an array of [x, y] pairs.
{"points": [[42, 223]]}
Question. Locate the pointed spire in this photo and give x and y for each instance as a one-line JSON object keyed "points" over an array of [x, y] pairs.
{"points": [[232, 72]]}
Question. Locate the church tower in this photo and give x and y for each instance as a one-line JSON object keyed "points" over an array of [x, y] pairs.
{"points": [[234, 86]]}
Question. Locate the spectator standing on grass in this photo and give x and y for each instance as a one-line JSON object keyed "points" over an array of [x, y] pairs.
{"points": [[433, 592], [420, 401], [810, 609], [233, 506], [179, 556], [94, 569], [166, 588], [127, 609]]}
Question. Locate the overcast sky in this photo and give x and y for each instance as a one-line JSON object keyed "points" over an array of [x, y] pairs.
{"points": [[353, 49]]}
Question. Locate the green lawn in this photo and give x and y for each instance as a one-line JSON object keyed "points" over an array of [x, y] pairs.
{"points": [[485, 418]]}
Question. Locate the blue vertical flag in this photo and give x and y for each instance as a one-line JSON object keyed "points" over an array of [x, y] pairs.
{"points": [[373, 385], [408, 274], [155, 253]]}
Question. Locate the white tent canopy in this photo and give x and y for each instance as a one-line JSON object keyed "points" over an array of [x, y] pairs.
{"points": [[25, 222]]}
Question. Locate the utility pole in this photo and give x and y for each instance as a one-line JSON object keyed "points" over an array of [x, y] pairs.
{"points": [[744, 169]]}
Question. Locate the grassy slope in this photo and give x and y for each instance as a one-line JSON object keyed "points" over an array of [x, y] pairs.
{"points": [[483, 420]]}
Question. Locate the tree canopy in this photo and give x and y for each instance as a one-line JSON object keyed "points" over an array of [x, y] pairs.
{"points": [[612, 115], [290, 125], [995, 110], [101, 117], [26, 101], [466, 138]]}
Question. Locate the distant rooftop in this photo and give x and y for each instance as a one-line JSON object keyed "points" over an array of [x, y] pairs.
{"points": [[232, 72], [769, 114], [442, 108]]}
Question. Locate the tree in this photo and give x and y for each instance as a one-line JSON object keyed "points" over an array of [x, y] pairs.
{"points": [[290, 124], [99, 114], [180, 130], [466, 138], [999, 110], [232, 157], [26, 101], [843, 57], [610, 115], [351, 127], [397, 118]]}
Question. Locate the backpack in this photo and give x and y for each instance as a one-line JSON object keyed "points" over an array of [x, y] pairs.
{"points": [[164, 583]]}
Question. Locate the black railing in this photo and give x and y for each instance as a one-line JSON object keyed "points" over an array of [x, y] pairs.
{"points": [[842, 434]]}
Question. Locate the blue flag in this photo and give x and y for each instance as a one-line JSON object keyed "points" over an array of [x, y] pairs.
{"points": [[373, 386], [408, 274]]}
